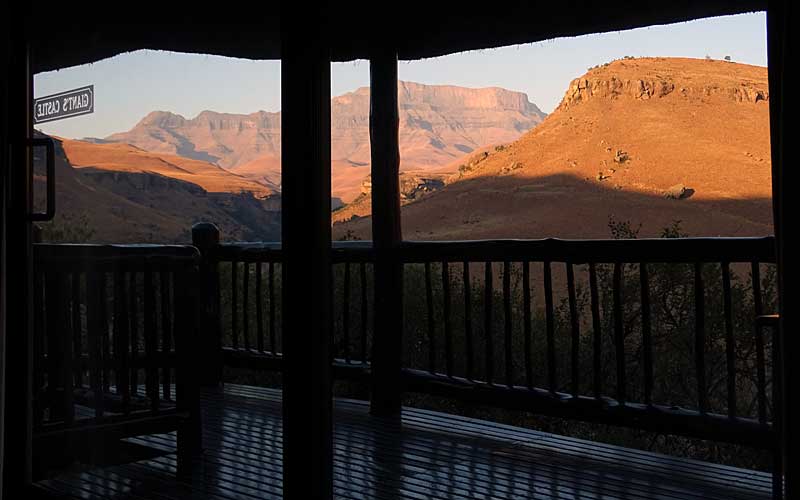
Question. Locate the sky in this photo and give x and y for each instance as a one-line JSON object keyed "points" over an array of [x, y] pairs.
{"points": [[129, 86]]}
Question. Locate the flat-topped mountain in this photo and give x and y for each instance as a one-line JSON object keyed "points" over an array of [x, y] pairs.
{"points": [[438, 124]]}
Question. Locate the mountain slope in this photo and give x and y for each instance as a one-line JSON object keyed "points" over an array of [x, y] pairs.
{"points": [[127, 158], [438, 124], [625, 134], [144, 206]]}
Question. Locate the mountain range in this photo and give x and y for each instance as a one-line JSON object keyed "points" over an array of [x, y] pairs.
{"points": [[657, 142], [438, 125]]}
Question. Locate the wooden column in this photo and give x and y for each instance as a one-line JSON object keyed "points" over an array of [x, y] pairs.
{"points": [[306, 230], [19, 347], [386, 233], [4, 61], [782, 103], [205, 236]]}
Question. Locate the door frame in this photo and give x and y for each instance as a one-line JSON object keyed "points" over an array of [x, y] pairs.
{"points": [[16, 330]]}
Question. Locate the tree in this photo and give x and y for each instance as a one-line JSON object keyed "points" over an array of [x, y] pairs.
{"points": [[68, 228]]}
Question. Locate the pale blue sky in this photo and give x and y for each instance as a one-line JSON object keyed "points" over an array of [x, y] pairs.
{"points": [[130, 85]]}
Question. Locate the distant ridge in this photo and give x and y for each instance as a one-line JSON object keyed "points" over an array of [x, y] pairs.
{"points": [[438, 124]]}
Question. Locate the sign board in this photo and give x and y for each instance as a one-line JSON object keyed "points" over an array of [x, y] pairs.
{"points": [[64, 105]]}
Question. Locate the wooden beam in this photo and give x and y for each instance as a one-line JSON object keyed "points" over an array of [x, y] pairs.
{"points": [[386, 233], [306, 230]]}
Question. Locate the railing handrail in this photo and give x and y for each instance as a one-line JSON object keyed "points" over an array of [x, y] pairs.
{"points": [[647, 250], [99, 256]]}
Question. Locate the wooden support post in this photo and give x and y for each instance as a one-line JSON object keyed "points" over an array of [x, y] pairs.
{"points": [[4, 154], [205, 236], [187, 327], [17, 445], [781, 15], [386, 234], [306, 232]]}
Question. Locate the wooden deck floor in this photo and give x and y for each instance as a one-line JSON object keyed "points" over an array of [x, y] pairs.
{"points": [[428, 455]]}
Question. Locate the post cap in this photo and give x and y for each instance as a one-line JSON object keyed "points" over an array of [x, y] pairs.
{"points": [[205, 234]]}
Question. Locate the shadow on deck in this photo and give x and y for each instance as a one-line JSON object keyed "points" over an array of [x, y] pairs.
{"points": [[427, 455]]}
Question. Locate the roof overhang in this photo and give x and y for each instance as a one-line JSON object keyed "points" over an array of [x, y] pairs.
{"points": [[63, 37]]}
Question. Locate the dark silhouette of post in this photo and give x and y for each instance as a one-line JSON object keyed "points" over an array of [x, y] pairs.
{"points": [[306, 231], [205, 236], [386, 233], [17, 443], [779, 22]]}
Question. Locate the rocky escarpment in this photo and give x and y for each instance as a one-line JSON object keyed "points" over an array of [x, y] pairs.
{"points": [[632, 78], [438, 125], [225, 139]]}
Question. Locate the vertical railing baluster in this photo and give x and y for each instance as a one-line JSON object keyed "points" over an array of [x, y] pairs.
{"points": [[272, 339], [700, 337], [234, 305], [487, 318], [619, 334], [364, 311], [468, 345], [431, 322], [647, 338], [94, 297], [346, 312], [761, 372], [245, 305], [448, 331], [134, 319], [121, 339], [77, 328], [730, 346], [104, 333], [526, 326], [778, 359], [67, 360], [39, 353], [150, 340], [53, 366], [597, 334], [550, 327], [507, 323], [575, 328], [334, 346], [259, 304], [166, 332]]}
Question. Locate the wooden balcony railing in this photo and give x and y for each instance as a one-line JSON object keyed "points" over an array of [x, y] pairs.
{"points": [[574, 329], [658, 335], [114, 347]]}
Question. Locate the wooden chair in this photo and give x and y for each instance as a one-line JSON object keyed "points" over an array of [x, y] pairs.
{"points": [[114, 338]]}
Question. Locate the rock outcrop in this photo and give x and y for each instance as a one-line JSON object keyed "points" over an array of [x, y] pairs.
{"points": [[623, 79], [412, 186]]}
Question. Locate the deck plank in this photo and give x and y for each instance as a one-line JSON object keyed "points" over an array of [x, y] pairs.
{"points": [[426, 455]]}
